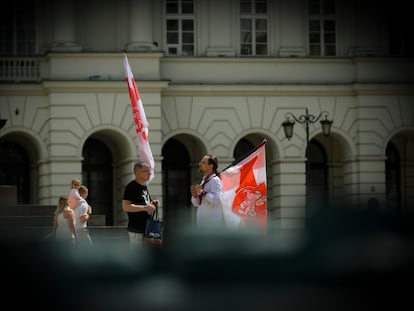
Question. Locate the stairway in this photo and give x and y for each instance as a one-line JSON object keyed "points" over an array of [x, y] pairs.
{"points": [[33, 221]]}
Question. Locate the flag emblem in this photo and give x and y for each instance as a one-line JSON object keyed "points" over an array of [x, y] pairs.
{"points": [[245, 191]]}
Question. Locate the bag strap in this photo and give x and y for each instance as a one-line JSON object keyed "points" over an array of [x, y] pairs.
{"points": [[155, 214]]}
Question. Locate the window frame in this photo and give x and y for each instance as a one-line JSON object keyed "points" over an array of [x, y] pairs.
{"points": [[22, 41], [180, 17], [254, 18], [322, 18]]}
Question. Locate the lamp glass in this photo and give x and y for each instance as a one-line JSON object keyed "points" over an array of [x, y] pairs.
{"points": [[288, 128], [326, 127]]}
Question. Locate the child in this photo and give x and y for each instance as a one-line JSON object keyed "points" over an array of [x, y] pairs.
{"points": [[74, 196]]}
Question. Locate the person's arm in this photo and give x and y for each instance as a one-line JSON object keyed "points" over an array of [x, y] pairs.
{"points": [[84, 218], [75, 193], [194, 198], [83, 213], [195, 190], [128, 206]]}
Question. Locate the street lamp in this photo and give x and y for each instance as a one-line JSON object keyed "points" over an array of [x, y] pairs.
{"points": [[306, 119]]}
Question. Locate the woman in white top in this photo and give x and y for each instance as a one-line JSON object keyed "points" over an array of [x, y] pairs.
{"points": [[64, 228]]}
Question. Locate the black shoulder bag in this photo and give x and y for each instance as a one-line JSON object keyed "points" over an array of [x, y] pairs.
{"points": [[154, 228]]}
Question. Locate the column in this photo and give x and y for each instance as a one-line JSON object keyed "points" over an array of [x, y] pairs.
{"points": [[64, 27], [291, 25], [289, 179], [366, 179], [140, 23], [220, 28]]}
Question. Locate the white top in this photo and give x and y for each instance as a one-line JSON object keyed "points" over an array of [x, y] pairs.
{"points": [[210, 211], [63, 231], [81, 210]]}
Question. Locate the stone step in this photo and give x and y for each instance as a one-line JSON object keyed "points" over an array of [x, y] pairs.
{"points": [[35, 221], [27, 210], [100, 234], [42, 220]]}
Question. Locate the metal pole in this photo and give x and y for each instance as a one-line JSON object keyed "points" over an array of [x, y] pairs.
{"points": [[307, 159]]}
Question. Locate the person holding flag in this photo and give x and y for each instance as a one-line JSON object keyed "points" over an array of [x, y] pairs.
{"points": [[207, 195], [136, 200]]}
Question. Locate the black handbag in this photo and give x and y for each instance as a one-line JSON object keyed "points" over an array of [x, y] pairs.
{"points": [[154, 227]]}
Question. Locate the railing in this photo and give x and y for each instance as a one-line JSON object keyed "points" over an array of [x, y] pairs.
{"points": [[17, 69]]}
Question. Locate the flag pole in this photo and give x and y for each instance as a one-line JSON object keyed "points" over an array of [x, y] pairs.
{"points": [[263, 142]]}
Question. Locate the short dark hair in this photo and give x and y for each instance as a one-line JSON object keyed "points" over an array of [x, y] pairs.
{"points": [[83, 189], [140, 164]]}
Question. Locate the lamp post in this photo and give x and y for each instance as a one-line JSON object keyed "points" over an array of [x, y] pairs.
{"points": [[306, 119]]}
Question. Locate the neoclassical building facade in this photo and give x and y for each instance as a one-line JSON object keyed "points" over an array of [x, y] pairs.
{"points": [[215, 77]]}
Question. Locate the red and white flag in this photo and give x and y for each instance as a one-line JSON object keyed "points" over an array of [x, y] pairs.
{"points": [[141, 124], [245, 191]]}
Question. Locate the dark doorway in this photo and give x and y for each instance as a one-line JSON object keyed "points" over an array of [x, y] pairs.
{"points": [[317, 195], [15, 170], [176, 182], [243, 148], [393, 179], [97, 176]]}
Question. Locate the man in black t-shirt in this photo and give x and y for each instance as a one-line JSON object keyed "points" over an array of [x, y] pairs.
{"points": [[137, 202]]}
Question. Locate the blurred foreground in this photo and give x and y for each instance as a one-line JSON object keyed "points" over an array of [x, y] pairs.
{"points": [[346, 260]]}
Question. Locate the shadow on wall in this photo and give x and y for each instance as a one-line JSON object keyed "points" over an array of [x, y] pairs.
{"points": [[349, 259]]}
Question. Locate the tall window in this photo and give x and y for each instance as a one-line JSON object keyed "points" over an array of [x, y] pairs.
{"points": [[322, 28], [253, 28], [17, 28], [180, 27], [400, 27]]}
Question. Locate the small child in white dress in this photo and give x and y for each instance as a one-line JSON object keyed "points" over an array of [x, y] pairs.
{"points": [[74, 196]]}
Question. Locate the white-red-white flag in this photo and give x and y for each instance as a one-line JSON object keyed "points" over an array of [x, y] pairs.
{"points": [[245, 192], [141, 124]]}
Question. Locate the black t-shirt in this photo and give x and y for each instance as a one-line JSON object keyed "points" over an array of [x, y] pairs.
{"points": [[137, 194]]}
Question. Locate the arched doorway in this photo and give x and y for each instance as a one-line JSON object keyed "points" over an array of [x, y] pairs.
{"points": [[393, 179], [242, 148], [317, 193], [98, 177], [15, 170], [176, 185]]}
